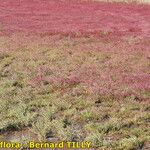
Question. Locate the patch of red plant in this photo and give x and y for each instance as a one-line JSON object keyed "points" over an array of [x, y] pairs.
{"points": [[73, 17]]}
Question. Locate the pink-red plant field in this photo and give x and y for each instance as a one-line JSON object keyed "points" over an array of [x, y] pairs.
{"points": [[73, 16], [75, 70]]}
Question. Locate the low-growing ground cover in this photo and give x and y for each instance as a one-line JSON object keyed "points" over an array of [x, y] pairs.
{"points": [[75, 85], [76, 89]]}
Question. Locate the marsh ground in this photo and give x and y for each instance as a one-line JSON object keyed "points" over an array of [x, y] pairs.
{"points": [[82, 75]]}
